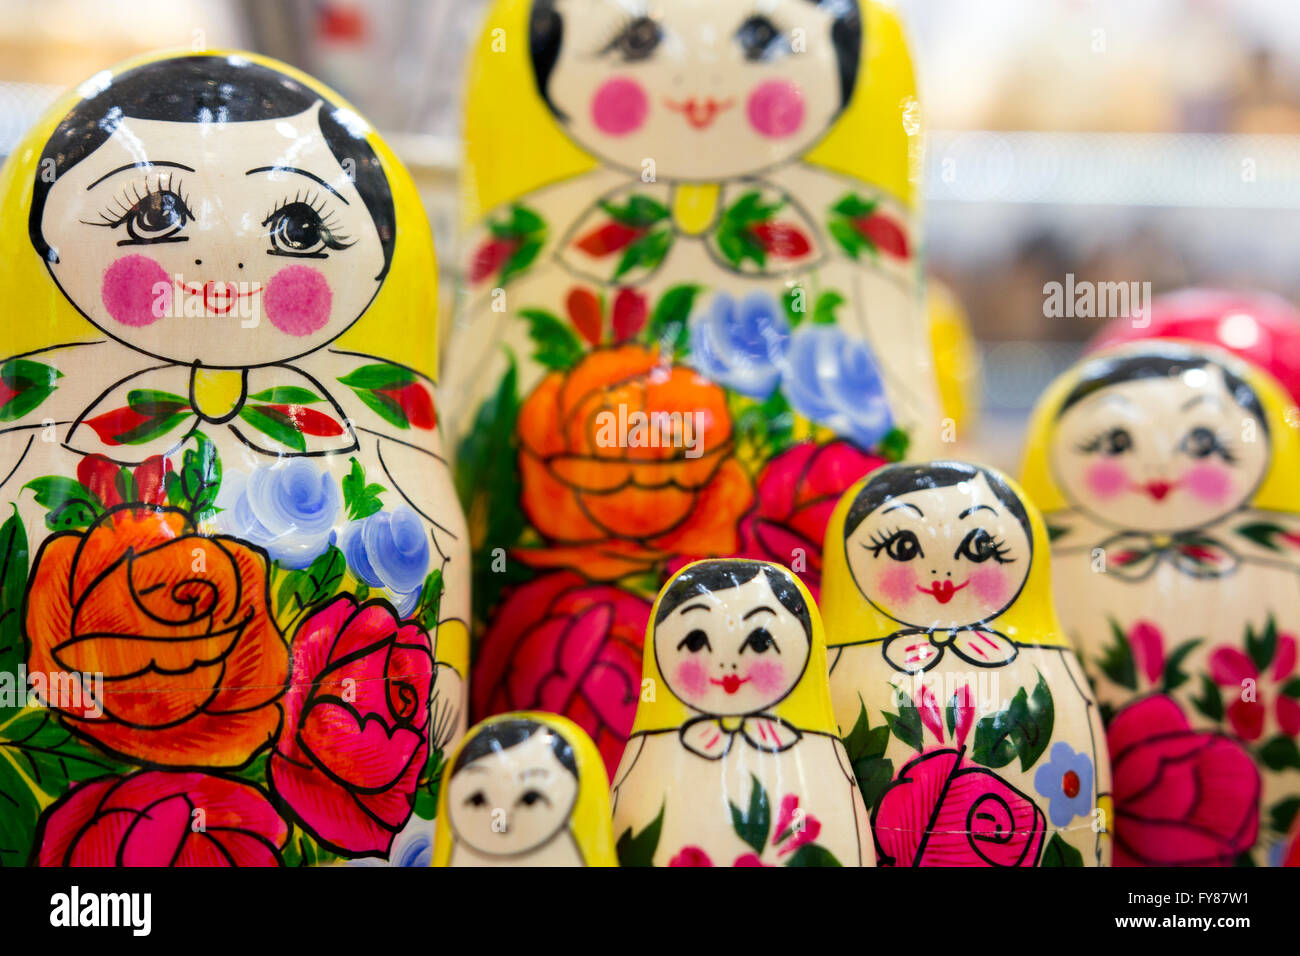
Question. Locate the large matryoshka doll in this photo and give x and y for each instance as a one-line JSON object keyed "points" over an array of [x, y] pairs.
{"points": [[1168, 474], [734, 758], [972, 731], [234, 570], [691, 315]]}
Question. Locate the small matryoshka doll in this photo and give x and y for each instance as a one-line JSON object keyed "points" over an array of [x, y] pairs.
{"points": [[525, 789], [734, 759], [973, 733], [691, 314], [231, 557], [1169, 475]]}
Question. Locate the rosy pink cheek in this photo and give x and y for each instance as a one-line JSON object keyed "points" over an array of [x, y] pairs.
{"points": [[991, 585], [619, 107], [776, 108], [132, 287], [691, 678], [297, 300], [1106, 479], [768, 677], [897, 584], [1210, 483]]}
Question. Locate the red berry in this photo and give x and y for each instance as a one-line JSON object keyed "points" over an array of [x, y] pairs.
{"points": [[609, 238], [782, 239], [883, 233], [490, 257]]}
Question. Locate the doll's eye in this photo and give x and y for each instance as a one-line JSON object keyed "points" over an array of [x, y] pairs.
{"points": [[298, 228], [1116, 441], [695, 642], [979, 546], [759, 39], [1202, 442], [899, 545], [636, 41], [760, 642], [476, 799], [157, 216], [532, 798]]}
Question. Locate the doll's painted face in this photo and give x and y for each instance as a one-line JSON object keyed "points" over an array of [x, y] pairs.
{"points": [[231, 244], [514, 800], [732, 652], [1160, 454], [707, 90], [941, 557]]}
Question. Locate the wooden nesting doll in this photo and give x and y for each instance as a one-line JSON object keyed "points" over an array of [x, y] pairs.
{"points": [[233, 571], [525, 789], [969, 722], [691, 314], [734, 759], [1168, 476]]}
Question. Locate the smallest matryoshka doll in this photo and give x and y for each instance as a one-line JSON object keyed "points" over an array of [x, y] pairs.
{"points": [[525, 789], [734, 758], [971, 727]]}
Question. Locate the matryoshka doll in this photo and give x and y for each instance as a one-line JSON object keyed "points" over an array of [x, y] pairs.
{"points": [[734, 759], [1168, 476], [971, 728], [525, 789], [234, 567], [691, 314]]}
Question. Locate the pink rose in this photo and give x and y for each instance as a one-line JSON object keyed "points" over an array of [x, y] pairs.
{"points": [[1182, 797], [162, 818], [355, 735]]}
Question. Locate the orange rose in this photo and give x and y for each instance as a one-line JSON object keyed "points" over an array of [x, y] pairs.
{"points": [[611, 508], [178, 626]]}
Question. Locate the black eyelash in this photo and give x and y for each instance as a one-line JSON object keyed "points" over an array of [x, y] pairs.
{"points": [[880, 540], [1093, 444], [130, 197], [328, 217], [1000, 549]]}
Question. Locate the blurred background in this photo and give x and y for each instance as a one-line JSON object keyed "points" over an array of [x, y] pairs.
{"points": [[1115, 141]]}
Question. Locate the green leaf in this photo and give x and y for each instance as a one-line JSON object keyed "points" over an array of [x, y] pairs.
{"points": [[379, 376], [1175, 676], [384, 406], [895, 443], [1210, 702], [71, 504], [1292, 688], [313, 584], [1262, 648], [13, 583], [1262, 533], [855, 207], [1280, 753], [426, 794], [1059, 853], [360, 499], [847, 237], [639, 850], [153, 403], [1023, 729], [669, 321], [200, 478], [824, 310], [811, 854], [750, 210], [521, 259], [754, 824], [638, 212], [160, 424], [795, 295], [556, 344], [1116, 661], [26, 400], [1283, 813], [864, 740], [738, 244], [906, 726], [276, 424], [19, 812], [874, 775], [50, 755], [524, 221], [428, 605], [646, 253], [286, 395]]}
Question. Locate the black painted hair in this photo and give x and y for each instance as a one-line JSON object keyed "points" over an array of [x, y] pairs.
{"points": [[511, 733], [207, 89], [1159, 360], [546, 37], [709, 577], [893, 481]]}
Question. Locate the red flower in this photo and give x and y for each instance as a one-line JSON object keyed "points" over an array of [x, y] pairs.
{"points": [[104, 477], [160, 818], [356, 716], [1147, 645], [1182, 797], [609, 238], [782, 239], [563, 645], [883, 233], [586, 311], [1230, 668], [491, 256], [694, 856]]}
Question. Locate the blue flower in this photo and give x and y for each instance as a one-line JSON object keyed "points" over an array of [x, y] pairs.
{"points": [[389, 549], [742, 347], [833, 379], [413, 847], [1066, 781], [288, 510]]}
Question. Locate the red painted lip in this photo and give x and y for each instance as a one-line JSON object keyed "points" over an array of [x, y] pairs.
{"points": [[700, 113], [731, 683], [1158, 489], [942, 591], [220, 301]]}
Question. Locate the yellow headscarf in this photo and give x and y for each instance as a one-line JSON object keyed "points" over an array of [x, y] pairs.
{"points": [[403, 311], [590, 823], [852, 619], [1277, 490], [807, 707], [876, 139]]}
